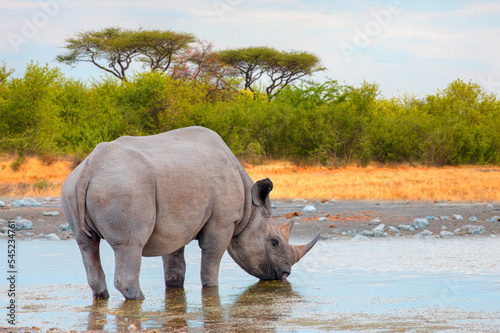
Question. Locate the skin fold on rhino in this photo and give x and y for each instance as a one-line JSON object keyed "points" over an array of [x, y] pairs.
{"points": [[152, 195]]}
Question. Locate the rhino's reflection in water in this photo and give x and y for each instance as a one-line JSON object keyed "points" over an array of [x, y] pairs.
{"points": [[258, 307]]}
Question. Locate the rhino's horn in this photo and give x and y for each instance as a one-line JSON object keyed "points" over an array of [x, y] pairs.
{"points": [[303, 249]]}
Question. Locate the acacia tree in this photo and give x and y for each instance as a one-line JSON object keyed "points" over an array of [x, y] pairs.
{"points": [[114, 49], [281, 67]]}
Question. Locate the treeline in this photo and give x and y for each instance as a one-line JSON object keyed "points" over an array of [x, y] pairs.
{"points": [[44, 112]]}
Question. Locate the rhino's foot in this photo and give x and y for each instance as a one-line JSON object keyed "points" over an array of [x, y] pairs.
{"points": [[133, 293], [102, 295], [175, 282]]}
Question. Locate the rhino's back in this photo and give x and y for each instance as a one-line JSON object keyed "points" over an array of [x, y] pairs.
{"points": [[177, 180]]}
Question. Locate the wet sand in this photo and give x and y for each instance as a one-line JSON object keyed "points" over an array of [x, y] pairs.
{"points": [[343, 216]]}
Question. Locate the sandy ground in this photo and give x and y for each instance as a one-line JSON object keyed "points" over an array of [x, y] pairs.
{"points": [[345, 218]]}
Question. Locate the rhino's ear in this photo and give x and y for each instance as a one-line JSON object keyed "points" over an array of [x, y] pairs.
{"points": [[260, 192]]}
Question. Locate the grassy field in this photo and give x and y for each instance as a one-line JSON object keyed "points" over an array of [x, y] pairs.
{"points": [[35, 177]]}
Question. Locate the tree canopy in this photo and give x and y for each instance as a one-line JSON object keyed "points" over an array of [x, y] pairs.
{"points": [[114, 49], [281, 67]]}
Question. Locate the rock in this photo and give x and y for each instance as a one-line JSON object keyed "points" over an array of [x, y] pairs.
{"points": [[420, 223], [376, 221], [489, 206], [443, 227], [493, 219], [493, 235], [458, 217], [21, 224], [446, 234], [2, 204], [25, 202], [2, 221], [64, 227], [398, 235], [405, 227], [292, 215], [393, 230], [473, 229], [457, 231], [359, 237], [41, 235], [323, 219], [445, 218], [51, 213], [379, 233], [274, 205], [430, 218], [366, 233], [309, 209], [4, 230], [380, 227], [423, 235], [29, 234], [52, 237], [472, 219]]}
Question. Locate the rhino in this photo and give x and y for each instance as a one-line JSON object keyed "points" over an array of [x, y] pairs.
{"points": [[152, 195]]}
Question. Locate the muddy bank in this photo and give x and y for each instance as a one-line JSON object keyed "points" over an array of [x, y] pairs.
{"points": [[334, 219]]}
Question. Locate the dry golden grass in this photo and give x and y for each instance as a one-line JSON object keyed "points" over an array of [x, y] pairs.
{"points": [[467, 183]]}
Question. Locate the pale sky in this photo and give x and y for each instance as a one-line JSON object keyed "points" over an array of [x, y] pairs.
{"points": [[405, 46]]}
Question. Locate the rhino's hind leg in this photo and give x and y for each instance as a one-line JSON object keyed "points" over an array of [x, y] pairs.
{"points": [[127, 267], [174, 266], [92, 262]]}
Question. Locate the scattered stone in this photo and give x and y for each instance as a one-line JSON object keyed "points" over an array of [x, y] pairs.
{"points": [[406, 227], [493, 219], [132, 328], [398, 235], [2, 221], [458, 217], [445, 218], [393, 230], [443, 227], [457, 231], [29, 234], [64, 227], [423, 235], [352, 232], [376, 221], [52, 237], [473, 229], [309, 209], [446, 234], [25, 202], [420, 223], [2, 204], [323, 219], [431, 218], [292, 215], [4, 230], [379, 233], [21, 224], [379, 228], [406, 202], [41, 235], [472, 219], [493, 235], [489, 206], [274, 205], [359, 237], [366, 233], [51, 213]]}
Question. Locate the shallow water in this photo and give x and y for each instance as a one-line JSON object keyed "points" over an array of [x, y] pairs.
{"points": [[375, 285]]}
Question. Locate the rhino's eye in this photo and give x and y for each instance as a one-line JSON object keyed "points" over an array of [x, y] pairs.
{"points": [[275, 242]]}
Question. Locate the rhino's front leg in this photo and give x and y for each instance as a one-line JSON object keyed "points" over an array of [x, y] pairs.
{"points": [[213, 243], [174, 266]]}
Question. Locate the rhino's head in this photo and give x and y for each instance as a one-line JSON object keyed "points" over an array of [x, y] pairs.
{"points": [[262, 249]]}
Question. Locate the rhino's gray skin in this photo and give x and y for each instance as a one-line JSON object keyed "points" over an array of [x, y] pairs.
{"points": [[152, 195]]}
